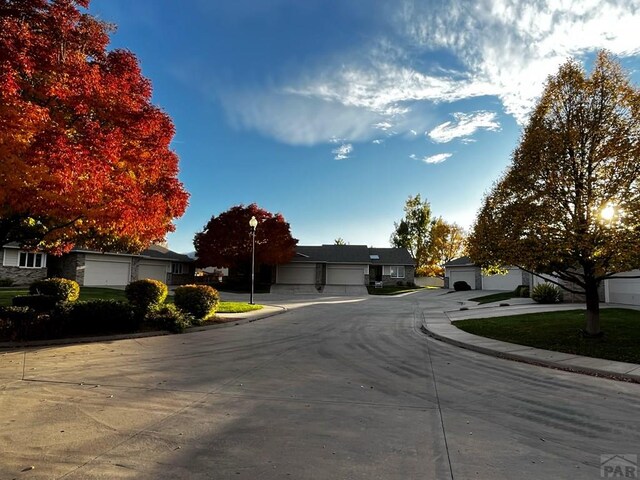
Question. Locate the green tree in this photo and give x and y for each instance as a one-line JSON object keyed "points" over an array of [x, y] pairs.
{"points": [[569, 204], [413, 231]]}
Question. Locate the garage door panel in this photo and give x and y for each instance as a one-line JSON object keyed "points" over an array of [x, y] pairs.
{"points": [[468, 276], [345, 275], [154, 272], [507, 282], [100, 273], [625, 291], [297, 274]]}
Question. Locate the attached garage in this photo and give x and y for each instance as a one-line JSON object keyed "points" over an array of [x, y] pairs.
{"points": [[296, 274], [154, 271], [345, 274], [106, 271], [462, 275], [624, 290], [508, 282]]}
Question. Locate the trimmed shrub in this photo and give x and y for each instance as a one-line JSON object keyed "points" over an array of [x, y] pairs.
{"points": [[145, 294], [6, 282], [200, 301], [461, 286], [522, 291], [546, 293], [168, 317], [15, 321], [40, 303], [63, 289], [95, 317]]}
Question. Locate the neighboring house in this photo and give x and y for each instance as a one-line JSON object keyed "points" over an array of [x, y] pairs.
{"points": [[22, 267], [346, 265], [623, 290], [463, 269], [90, 268]]}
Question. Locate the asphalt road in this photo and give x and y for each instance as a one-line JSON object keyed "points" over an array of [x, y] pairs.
{"points": [[341, 388]]}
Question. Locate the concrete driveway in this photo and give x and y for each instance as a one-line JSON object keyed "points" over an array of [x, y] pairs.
{"points": [[336, 388]]}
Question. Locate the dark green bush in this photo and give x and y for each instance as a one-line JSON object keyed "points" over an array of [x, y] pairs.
{"points": [[6, 282], [168, 317], [15, 322], [461, 286], [96, 317], [200, 301], [40, 303], [63, 289], [145, 294], [546, 293]]}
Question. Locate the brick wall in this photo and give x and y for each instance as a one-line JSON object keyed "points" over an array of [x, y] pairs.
{"points": [[23, 276]]}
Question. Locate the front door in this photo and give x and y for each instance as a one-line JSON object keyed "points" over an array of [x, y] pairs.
{"points": [[375, 273]]}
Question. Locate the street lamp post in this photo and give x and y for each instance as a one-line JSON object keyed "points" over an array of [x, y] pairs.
{"points": [[253, 223]]}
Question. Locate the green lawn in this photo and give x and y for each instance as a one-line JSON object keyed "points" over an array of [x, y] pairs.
{"points": [[390, 290], [494, 297], [560, 331], [237, 307], [94, 293]]}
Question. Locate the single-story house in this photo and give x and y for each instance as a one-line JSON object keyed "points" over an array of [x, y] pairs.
{"points": [[621, 290], [91, 268], [463, 269], [346, 265]]}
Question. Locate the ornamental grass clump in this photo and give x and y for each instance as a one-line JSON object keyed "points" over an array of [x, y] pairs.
{"points": [[200, 301], [546, 293]]}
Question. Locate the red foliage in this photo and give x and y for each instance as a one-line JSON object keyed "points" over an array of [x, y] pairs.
{"points": [[85, 157], [226, 239]]}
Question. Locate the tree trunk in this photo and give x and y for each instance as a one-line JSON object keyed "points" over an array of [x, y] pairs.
{"points": [[593, 308]]}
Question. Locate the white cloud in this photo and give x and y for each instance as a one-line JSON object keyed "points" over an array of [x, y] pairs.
{"points": [[378, 141], [464, 126], [343, 151], [500, 48], [437, 158], [413, 156]]}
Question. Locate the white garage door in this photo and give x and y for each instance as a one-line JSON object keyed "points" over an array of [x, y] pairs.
{"points": [[507, 282], [468, 276], [103, 273], [155, 272], [626, 291], [296, 274], [345, 274]]}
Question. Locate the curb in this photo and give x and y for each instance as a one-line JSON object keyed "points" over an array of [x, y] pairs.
{"points": [[594, 372], [131, 336]]}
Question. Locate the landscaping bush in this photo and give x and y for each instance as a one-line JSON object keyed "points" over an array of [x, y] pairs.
{"points": [[461, 286], [15, 322], [522, 291], [145, 294], [168, 317], [95, 317], [198, 300], [63, 289], [546, 293], [6, 282], [39, 303]]}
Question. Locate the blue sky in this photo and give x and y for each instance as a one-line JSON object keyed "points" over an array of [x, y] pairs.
{"points": [[333, 112]]}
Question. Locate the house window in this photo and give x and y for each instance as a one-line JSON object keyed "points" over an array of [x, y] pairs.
{"points": [[31, 260], [177, 268], [394, 271]]}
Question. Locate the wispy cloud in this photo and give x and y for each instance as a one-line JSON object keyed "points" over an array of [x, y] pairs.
{"points": [[464, 126], [437, 158], [499, 48], [343, 151], [377, 141]]}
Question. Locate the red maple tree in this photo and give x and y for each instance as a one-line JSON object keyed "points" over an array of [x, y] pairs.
{"points": [[85, 156], [226, 239]]}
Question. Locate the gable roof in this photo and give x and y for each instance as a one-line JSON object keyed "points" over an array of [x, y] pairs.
{"points": [[157, 251], [332, 254], [358, 254], [390, 256], [460, 262]]}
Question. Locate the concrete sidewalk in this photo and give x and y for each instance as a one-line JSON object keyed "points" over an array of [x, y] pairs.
{"points": [[438, 325]]}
